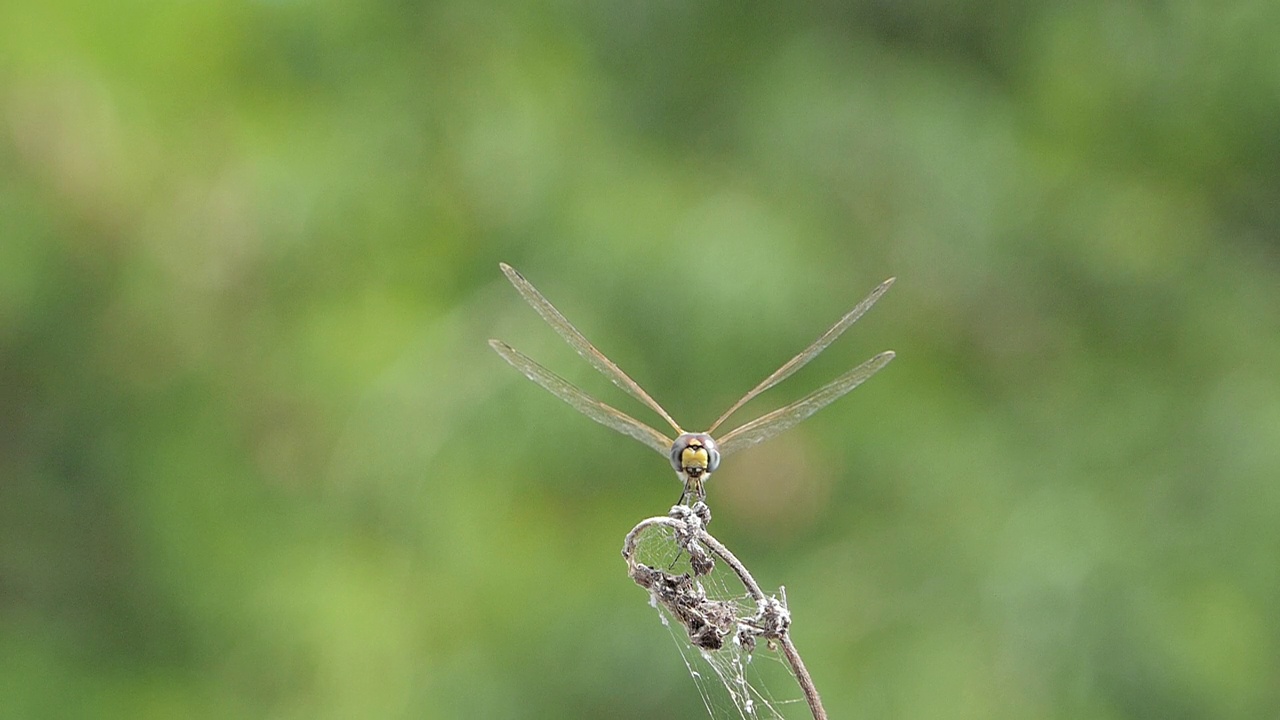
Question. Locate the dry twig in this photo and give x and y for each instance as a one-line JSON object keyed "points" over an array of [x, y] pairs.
{"points": [[710, 622]]}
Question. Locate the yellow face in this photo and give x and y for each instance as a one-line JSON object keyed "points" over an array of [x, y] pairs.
{"points": [[694, 459]]}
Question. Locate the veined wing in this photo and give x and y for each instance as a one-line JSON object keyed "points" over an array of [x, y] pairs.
{"points": [[584, 403], [766, 426], [808, 353], [580, 344]]}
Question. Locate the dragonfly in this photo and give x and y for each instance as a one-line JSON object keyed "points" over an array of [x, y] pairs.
{"points": [[693, 455]]}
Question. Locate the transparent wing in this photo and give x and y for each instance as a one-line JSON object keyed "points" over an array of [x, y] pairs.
{"points": [[585, 404], [808, 353], [580, 343], [766, 426]]}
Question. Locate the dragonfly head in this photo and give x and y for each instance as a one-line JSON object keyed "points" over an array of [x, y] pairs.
{"points": [[694, 456]]}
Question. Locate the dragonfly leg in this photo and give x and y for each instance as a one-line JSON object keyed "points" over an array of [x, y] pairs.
{"points": [[694, 490]]}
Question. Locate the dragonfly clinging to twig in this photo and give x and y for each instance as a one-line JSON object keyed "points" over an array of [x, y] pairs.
{"points": [[694, 456]]}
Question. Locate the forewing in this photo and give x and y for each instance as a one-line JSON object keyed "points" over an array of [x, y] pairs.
{"points": [[585, 404], [581, 344], [766, 426], [810, 352]]}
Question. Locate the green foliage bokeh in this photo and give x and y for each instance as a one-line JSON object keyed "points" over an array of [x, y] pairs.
{"points": [[256, 459]]}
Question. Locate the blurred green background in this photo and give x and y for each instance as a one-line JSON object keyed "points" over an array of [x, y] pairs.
{"points": [[257, 461]]}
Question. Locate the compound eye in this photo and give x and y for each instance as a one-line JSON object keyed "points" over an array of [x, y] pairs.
{"points": [[677, 452], [713, 459]]}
